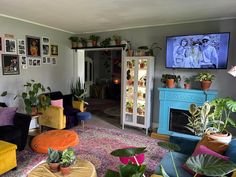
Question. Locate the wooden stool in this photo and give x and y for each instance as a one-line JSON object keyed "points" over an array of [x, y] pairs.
{"points": [[7, 156]]}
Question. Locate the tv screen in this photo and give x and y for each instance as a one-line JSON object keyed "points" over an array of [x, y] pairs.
{"points": [[206, 51]]}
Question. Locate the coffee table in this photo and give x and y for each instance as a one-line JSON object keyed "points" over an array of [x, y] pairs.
{"points": [[82, 168]]}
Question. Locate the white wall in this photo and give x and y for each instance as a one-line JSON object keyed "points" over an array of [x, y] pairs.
{"points": [[224, 83], [57, 76]]}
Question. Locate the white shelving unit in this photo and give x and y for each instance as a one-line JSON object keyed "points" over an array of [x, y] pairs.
{"points": [[137, 85]]}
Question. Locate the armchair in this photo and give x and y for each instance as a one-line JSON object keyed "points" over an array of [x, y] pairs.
{"points": [[17, 133]]}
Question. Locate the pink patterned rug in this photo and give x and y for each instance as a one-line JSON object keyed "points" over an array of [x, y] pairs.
{"points": [[95, 145]]}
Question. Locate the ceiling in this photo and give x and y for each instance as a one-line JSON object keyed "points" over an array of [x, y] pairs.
{"points": [[87, 16]]}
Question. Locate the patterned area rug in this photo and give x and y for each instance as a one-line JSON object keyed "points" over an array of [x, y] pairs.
{"points": [[95, 145]]}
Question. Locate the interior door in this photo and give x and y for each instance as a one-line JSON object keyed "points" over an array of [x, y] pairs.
{"points": [[89, 79]]}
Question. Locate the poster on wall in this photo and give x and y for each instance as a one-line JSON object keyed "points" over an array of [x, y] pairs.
{"points": [[10, 64], [21, 47], [10, 46], [33, 46]]}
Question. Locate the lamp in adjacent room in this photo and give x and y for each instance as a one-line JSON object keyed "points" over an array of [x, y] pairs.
{"points": [[232, 71]]}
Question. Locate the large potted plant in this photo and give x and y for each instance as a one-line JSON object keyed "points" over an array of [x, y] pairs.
{"points": [[78, 92], [53, 160], [34, 97], [206, 79], [170, 79], [68, 158]]}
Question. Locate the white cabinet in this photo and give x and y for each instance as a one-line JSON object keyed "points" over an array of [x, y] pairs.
{"points": [[137, 86]]}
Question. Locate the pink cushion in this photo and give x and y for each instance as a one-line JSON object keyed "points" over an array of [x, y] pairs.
{"points": [[139, 157], [57, 103], [7, 115], [204, 150]]}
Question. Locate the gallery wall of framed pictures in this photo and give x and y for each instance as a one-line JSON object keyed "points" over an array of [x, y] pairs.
{"points": [[33, 51]]}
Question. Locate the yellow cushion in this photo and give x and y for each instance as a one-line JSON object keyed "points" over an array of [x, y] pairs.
{"points": [[234, 174], [7, 156]]}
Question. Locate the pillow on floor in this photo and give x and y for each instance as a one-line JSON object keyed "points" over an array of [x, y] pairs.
{"points": [[7, 115], [204, 150], [57, 103]]}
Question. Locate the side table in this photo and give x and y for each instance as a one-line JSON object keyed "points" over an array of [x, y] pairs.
{"points": [[82, 168]]}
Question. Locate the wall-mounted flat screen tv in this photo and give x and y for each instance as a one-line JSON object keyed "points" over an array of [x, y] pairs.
{"points": [[204, 51]]}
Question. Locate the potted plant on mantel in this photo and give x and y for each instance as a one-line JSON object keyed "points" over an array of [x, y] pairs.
{"points": [[170, 80], [206, 79], [187, 83]]}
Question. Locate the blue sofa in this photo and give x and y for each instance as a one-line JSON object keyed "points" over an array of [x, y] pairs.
{"points": [[187, 146]]}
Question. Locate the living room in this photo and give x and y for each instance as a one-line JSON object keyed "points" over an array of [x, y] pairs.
{"points": [[59, 76]]}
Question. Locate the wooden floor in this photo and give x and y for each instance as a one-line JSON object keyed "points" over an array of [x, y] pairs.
{"points": [[160, 136]]}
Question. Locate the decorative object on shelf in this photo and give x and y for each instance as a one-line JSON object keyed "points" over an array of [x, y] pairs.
{"points": [[143, 64], [34, 98], [10, 64], [142, 81], [142, 50], [1, 44], [53, 160], [206, 79], [170, 79], [187, 83], [68, 158], [83, 42], [117, 39], [10, 46], [94, 39], [33, 46], [74, 41], [106, 42], [129, 106], [137, 168], [146, 51], [141, 109], [54, 50], [232, 71], [21, 47]]}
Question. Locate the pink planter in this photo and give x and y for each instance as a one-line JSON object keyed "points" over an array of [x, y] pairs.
{"points": [[139, 157]]}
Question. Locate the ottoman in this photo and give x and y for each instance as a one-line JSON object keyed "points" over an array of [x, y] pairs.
{"points": [[83, 116], [55, 139], [7, 156]]}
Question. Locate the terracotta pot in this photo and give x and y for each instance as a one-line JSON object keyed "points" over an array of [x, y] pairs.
{"points": [[94, 43], [130, 53], [65, 170], [170, 83], [34, 111], [54, 167], [187, 86], [74, 44], [205, 85]]}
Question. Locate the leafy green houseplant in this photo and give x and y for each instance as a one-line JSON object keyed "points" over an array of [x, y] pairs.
{"points": [[106, 42], [54, 158], [130, 169], [78, 92], [68, 158], [33, 96], [94, 39], [117, 39], [74, 41], [206, 79], [187, 83], [170, 79]]}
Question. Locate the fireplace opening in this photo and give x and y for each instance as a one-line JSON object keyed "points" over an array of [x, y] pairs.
{"points": [[178, 121]]}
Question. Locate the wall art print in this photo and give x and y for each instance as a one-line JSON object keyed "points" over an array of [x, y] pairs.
{"points": [[10, 46], [10, 64], [33, 46]]}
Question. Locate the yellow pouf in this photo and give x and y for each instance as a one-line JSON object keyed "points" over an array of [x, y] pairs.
{"points": [[7, 156]]}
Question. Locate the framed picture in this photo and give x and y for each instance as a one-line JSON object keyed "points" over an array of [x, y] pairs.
{"points": [[30, 62], [10, 64], [23, 62], [44, 60], [54, 50], [45, 49], [45, 40], [54, 61], [21, 47], [1, 44], [48, 60], [33, 46], [10, 46]]}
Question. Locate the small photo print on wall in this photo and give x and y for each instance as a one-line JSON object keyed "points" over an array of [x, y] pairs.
{"points": [[54, 61], [35, 62], [10, 46], [10, 65], [44, 60], [45, 49], [48, 60], [23, 61], [54, 50], [45, 40], [21, 46], [33, 46]]}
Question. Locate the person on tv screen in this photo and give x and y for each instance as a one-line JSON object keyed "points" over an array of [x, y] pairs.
{"points": [[196, 54], [209, 54], [179, 53], [188, 58]]}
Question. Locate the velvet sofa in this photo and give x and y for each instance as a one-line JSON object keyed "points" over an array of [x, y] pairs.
{"points": [[68, 109], [187, 146], [17, 133]]}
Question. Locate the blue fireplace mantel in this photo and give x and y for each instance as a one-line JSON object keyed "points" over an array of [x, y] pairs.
{"points": [[177, 98]]}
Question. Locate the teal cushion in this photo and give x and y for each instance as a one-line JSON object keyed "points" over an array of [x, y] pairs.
{"points": [[231, 151], [179, 159]]}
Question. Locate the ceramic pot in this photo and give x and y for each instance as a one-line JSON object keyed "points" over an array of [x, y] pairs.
{"points": [[187, 86], [170, 83], [65, 170], [224, 137], [54, 167], [205, 85]]}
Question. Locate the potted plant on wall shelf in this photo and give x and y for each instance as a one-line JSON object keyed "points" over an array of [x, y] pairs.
{"points": [[74, 41], [94, 39], [78, 92], [206, 79], [170, 79], [117, 39]]}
